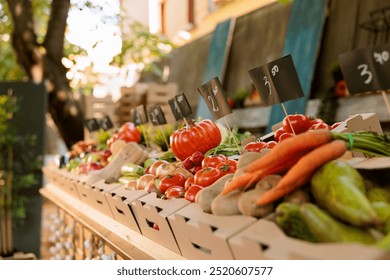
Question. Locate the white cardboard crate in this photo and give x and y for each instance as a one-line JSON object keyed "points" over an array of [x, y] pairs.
{"points": [[69, 183], [264, 240], [119, 200], [62, 179], [150, 210], [97, 198], [205, 236], [50, 173], [366, 121], [84, 190]]}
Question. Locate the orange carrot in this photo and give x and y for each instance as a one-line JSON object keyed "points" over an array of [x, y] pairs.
{"points": [[289, 147], [242, 181], [247, 179], [303, 170]]}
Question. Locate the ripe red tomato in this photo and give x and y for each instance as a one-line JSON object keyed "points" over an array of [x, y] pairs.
{"points": [[231, 102], [189, 182], [196, 169], [319, 126], [255, 146], [271, 144], [341, 88], [128, 132], [174, 192], [192, 192], [197, 158], [171, 180], [213, 160], [277, 133], [316, 120], [206, 176], [299, 122], [188, 163], [285, 136], [197, 136], [226, 167]]}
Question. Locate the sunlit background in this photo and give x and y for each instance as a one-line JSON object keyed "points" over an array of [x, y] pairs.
{"points": [[101, 35]]}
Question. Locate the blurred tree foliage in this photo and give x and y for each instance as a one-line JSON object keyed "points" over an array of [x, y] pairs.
{"points": [[33, 45], [18, 168]]}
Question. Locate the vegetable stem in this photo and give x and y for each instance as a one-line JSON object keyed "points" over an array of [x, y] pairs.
{"points": [[367, 142]]}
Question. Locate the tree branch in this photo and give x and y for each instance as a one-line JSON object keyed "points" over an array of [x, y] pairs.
{"points": [[54, 40], [24, 39]]}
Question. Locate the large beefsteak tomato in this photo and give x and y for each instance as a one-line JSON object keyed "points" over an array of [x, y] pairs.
{"points": [[197, 136]]}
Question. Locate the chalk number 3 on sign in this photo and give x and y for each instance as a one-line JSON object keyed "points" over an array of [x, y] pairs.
{"points": [[274, 70], [365, 72], [380, 58], [212, 100]]}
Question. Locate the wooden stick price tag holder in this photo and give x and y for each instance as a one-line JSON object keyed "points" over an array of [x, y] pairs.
{"points": [[180, 107], [140, 118], [277, 82], [157, 117], [367, 69], [214, 96]]}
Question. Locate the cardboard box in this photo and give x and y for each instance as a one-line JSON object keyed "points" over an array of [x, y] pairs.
{"points": [[152, 214], [358, 122], [205, 236], [373, 163], [62, 179], [119, 200], [264, 240], [98, 198], [69, 185], [50, 174], [84, 190]]}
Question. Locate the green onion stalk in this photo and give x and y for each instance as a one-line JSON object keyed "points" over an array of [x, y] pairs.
{"points": [[367, 142]]}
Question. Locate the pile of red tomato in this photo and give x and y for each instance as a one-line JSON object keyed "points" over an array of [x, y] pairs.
{"points": [[170, 181], [212, 168], [291, 125]]}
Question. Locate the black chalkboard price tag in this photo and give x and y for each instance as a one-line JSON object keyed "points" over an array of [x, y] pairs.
{"points": [[179, 106], [92, 124], [175, 109], [156, 115], [183, 104], [139, 115], [214, 96], [366, 69], [106, 123], [277, 81]]}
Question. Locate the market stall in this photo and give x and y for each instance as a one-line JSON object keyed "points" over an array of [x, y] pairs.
{"points": [[137, 207], [165, 185]]}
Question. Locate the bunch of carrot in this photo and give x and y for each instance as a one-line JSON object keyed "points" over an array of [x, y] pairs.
{"points": [[299, 156]]}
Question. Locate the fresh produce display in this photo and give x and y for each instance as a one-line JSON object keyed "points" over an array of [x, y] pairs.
{"points": [[128, 132], [86, 157], [298, 179], [130, 172]]}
